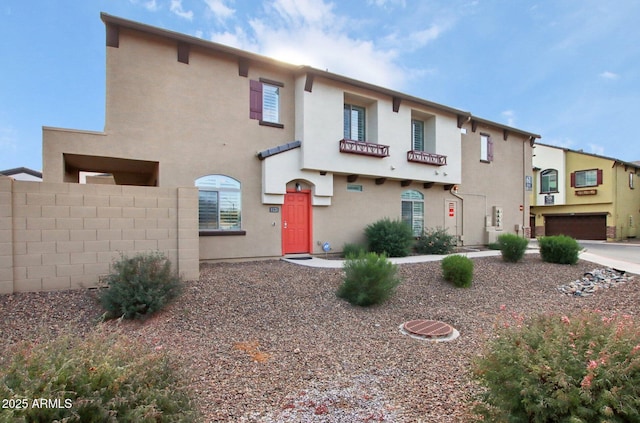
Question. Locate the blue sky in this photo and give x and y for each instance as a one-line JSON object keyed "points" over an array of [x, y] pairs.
{"points": [[568, 70]]}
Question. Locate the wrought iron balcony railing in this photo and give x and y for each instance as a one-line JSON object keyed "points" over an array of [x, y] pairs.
{"points": [[364, 148], [427, 158]]}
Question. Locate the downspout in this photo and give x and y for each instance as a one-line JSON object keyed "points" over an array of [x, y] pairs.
{"points": [[454, 191]]}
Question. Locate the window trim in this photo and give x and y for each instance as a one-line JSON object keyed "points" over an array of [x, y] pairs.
{"points": [[574, 178], [542, 174], [413, 201], [486, 157], [413, 135], [257, 99], [200, 184], [351, 107]]}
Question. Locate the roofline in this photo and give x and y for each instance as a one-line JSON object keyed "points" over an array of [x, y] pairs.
{"points": [[463, 116], [16, 170], [625, 163]]}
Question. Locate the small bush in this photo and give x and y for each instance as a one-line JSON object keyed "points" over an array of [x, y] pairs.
{"points": [[104, 378], [392, 238], [559, 249], [369, 279], [512, 247], [493, 246], [139, 286], [353, 250], [552, 368], [458, 270], [436, 241]]}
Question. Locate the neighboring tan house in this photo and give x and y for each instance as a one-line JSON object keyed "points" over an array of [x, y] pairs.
{"points": [[22, 174], [584, 195], [289, 158]]}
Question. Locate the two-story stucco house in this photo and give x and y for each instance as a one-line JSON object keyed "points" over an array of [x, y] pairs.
{"points": [[584, 195], [288, 158]]}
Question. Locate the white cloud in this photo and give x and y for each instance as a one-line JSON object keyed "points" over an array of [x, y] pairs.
{"points": [[176, 7], [221, 11], [510, 117], [151, 5], [308, 32], [609, 75]]}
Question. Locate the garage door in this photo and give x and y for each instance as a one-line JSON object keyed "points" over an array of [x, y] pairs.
{"points": [[577, 226]]}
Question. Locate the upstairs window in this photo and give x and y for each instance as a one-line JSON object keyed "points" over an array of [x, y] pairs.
{"points": [[586, 178], [417, 135], [264, 102], [486, 148], [354, 122], [548, 181], [413, 211], [219, 203]]}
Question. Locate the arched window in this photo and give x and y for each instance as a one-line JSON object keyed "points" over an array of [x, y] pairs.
{"points": [[219, 203], [548, 181], [413, 210]]}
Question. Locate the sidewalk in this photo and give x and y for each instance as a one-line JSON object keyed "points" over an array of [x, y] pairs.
{"points": [[532, 249]]}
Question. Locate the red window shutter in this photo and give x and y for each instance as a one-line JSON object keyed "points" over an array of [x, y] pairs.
{"points": [[599, 176], [255, 100], [489, 149], [573, 179]]}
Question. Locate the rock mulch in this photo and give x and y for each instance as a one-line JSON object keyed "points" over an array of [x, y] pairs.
{"points": [[270, 341], [595, 280]]}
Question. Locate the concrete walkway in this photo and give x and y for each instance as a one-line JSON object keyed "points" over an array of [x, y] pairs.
{"points": [[532, 249]]}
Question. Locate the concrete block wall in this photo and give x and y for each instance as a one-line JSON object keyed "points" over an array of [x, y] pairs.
{"points": [[65, 236]]}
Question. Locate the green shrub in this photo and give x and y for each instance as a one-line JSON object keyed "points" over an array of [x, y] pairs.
{"points": [[458, 270], [353, 250], [493, 246], [103, 378], [390, 237], [369, 279], [560, 249], [512, 247], [552, 368], [436, 241], [139, 286]]}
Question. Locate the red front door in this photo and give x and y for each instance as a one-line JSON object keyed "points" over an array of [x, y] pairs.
{"points": [[296, 223]]}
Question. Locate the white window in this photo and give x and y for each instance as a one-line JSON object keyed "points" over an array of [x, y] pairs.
{"points": [[413, 211], [548, 181], [354, 122], [586, 178], [219, 203], [264, 102], [486, 148], [270, 103], [417, 135]]}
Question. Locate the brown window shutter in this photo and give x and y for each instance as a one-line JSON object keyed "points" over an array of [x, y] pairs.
{"points": [[183, 53], [255, 100], [573, 179], [489, 149], [599, 176]]}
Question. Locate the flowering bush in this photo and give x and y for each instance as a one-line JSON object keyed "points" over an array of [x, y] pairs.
{"points": [[551, 368], [99, 378], [436, 241]]}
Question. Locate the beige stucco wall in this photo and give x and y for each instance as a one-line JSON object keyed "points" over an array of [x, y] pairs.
{"points": [[500, 182], [193, 120], [64, 236]]}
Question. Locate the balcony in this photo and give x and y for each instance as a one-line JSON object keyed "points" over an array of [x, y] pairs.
{"points": [[364, 148], [426, 158]]}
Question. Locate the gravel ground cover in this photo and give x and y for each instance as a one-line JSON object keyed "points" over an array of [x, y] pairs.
{"points": [[269, 341]]}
